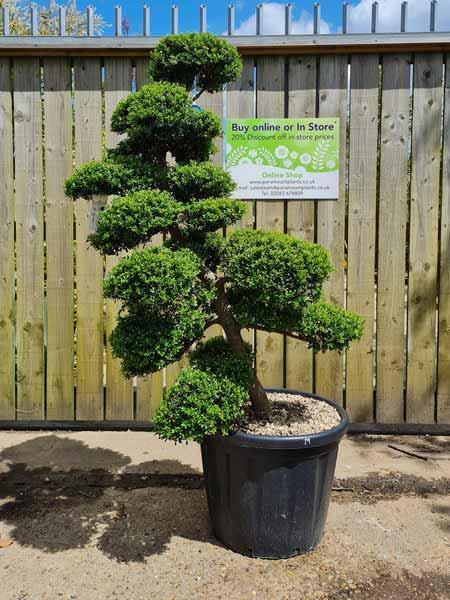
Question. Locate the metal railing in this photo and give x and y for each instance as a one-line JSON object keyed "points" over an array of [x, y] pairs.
{"points": [[231, 20]]}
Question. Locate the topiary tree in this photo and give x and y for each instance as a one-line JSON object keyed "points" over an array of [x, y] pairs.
{"points": [[171, 294]]}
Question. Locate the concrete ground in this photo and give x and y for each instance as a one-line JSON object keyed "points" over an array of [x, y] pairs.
{"points": [[96, 516]]}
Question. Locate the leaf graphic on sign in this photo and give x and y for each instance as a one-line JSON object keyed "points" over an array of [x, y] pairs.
{"points": [[319, 155], [267, 156], [236, 156]]}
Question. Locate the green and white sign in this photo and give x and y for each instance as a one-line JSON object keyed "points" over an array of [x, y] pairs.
{"points": [[271, 159]]}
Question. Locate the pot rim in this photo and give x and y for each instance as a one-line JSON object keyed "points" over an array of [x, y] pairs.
{"points": [[313, 440]]}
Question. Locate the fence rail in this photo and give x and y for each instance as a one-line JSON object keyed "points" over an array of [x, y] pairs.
{"points": [[380, 43], [388, 234]]}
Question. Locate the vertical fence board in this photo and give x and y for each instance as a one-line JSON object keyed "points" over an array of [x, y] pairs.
{"points": [[240, 104], [331, 217], [393, 216], [240, 94], [59, 238], [215, 103], [7, 307], [423, 242], [149, 390], [361, 230], [149, 396], [174, 369], [302, 84], [119, 390], [29, 236], [270, 102], [141, 71], [443, 392], [89, 263], [172, 372]]}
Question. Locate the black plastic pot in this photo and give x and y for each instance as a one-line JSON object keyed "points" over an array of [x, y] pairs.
{"points": [[268, 496]]}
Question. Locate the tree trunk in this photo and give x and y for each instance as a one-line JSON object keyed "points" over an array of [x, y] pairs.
{"points": [[259, 399], [258, 396]]}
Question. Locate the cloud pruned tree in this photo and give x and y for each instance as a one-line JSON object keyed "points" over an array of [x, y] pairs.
{"points": [[171, 294]]}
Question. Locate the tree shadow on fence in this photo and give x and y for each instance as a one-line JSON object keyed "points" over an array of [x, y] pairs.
{"points": [[129, 512]]}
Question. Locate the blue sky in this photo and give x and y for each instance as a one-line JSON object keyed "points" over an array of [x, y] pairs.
{"points": [[331, 10], [189, 13]]}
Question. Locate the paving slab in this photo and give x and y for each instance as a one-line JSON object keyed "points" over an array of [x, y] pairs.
{"points": [[100, 515]]}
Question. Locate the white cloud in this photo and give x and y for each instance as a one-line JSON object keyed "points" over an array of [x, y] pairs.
{"points": [[360, 15], [389, 15], [274, 20]]}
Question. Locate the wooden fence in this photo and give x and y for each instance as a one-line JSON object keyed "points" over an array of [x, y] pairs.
{"points": [[388, 234]]}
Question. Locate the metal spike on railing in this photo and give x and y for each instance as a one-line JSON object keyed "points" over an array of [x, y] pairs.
{"points": [[288, 19], [5, 13], [117, 21], [34, 25], [374, 21], [90, 21], [202, 18], [259, 19], [175, 19], [62, 20], [231, 19], [146, 21], [345, 12], [404, 18], [433, 15], [316, 26]]}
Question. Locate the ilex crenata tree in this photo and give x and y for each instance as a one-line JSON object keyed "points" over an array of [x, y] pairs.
{"points": [[163, 183]]}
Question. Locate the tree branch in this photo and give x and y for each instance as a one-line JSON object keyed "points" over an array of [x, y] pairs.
{"points": [[295, 336], [220, 284], [288, 333], [175, 232], [197, 95], [212, 322]]}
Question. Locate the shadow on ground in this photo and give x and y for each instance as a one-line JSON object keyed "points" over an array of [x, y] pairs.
{"points": [[444, 511], [128, 511], [429, 445], [57, 493]]}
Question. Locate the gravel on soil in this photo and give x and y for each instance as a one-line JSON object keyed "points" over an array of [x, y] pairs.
{"points": [[294, 415]]}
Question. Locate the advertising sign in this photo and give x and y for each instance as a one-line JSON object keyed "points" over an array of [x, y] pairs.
{"points": [[282, 159]]}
